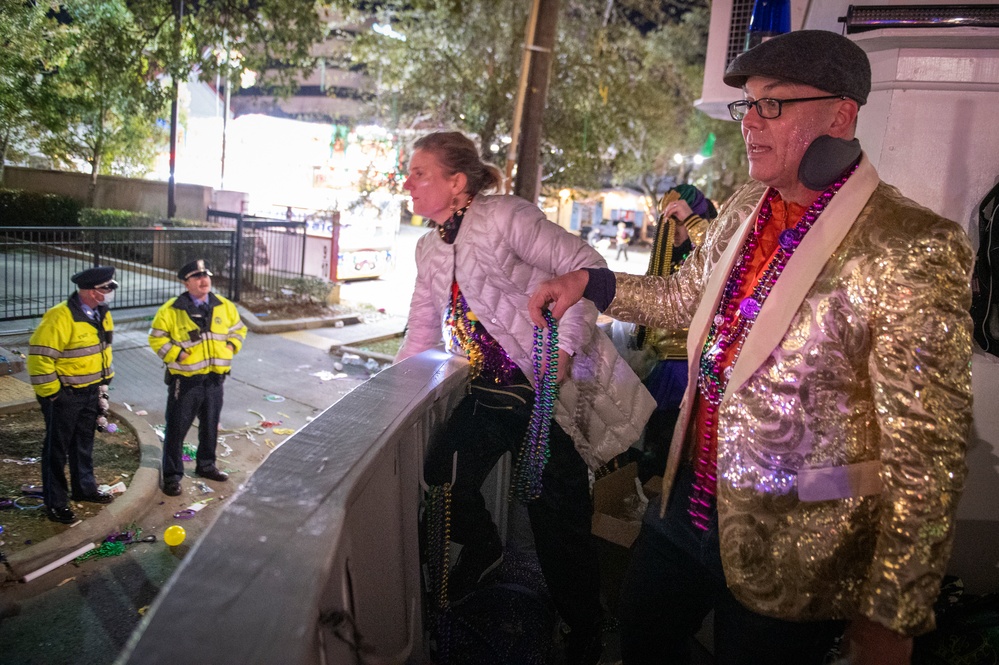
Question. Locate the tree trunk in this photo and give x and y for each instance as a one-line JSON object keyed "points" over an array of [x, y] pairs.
{"points": [[4, 142], [95, 168]]}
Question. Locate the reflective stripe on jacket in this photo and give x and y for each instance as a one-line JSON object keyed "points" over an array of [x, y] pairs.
{"points": [[180, 325], [70, 349]]}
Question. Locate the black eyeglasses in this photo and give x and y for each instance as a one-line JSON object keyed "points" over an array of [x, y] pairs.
{"points": [[768, 107]]}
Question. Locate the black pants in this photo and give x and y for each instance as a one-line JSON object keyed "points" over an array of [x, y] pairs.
{"points": [[191, 397], [483, 427], [675, 578], [70, 420]]}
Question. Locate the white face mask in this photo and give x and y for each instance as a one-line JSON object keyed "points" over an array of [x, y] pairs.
{"points": [[108, 297]]}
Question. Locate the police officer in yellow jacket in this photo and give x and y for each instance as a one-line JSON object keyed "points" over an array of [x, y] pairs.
{"points": [[69, 361], [196, 334]]}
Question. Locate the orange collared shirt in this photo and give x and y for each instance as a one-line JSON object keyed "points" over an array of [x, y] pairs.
{"points": [[784, 216]]}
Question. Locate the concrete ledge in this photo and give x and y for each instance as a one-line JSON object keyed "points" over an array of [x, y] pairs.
{"points": [[357, 351], [288, 325], [17, 407], [12, 363], [127, 507], [380, 357]]}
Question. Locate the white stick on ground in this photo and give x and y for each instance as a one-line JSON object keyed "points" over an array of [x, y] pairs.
{"points": [[58, 562]]}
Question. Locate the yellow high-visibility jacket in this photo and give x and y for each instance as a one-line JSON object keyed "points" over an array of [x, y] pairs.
{"points": [[180, 326], [70, 349]]}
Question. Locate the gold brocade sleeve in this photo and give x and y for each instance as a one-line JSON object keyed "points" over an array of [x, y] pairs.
{"points": [[669, 302], [697, 228]]}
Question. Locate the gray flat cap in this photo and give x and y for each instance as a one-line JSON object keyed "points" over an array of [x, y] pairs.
{"points": [[819, 58]]}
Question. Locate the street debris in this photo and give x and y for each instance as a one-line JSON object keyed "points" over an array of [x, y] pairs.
{"points": [[326, 375], [192, 510], [59, 562], [117, 488]]}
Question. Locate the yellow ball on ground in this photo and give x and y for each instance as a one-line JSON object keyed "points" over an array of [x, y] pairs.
{"points": [[174, 535]]}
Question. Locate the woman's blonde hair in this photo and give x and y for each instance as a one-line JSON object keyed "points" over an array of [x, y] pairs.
{"points": [[458, 154]]}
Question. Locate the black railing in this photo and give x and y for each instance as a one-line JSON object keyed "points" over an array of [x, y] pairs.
{"points": [[37, 262], [272, 251]]}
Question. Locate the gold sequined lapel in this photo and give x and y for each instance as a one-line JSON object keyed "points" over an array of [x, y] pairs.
{"points": [[802, 269]]}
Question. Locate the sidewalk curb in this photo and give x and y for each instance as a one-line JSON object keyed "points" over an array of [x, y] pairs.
{"points": [[126, 508], [17, 407], [380, 357], [288, 325]]}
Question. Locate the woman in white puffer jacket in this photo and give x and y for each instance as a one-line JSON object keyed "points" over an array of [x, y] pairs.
{"points": [[475, 274]]}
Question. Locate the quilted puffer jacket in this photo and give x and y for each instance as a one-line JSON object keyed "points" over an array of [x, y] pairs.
{"points": [[503, 251]]}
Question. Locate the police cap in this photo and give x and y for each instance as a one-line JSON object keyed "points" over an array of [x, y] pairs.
{"points": [[101, 277], [194, 269]]}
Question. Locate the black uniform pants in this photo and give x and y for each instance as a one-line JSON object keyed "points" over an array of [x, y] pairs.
{"points": [[190, 397], [484, 426], [70, 420]]}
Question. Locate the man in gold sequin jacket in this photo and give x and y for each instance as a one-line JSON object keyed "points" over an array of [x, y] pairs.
{"points": [[816, 466]]}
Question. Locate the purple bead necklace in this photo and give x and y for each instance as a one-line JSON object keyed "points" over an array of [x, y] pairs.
{"points": [[729, 329], [534, 452]]}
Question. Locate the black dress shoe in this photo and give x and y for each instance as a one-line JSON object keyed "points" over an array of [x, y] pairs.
{"points": [[62, 515], [212, 473], [171, 488], [97, 497]]}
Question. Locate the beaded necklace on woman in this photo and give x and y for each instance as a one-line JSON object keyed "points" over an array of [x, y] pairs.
{"points": [[464, 332], [732, 322]]}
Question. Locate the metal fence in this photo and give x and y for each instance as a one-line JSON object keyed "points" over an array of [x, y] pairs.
{"points": [[37, 263], [272, 251]]}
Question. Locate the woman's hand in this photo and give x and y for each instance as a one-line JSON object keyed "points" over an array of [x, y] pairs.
{"points": [[678, 210]]}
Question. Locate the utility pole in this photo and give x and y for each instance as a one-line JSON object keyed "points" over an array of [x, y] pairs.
{"points": [[540, 47], [225, 118], [518, 109], [178, 14]]}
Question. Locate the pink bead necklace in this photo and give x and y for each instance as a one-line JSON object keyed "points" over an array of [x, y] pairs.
{"points": [[729, 329]]}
